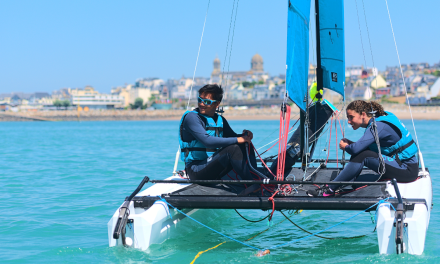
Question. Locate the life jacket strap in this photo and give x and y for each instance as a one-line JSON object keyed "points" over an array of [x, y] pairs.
{"points": [[216, 129], [400, 150], [187, 150]]}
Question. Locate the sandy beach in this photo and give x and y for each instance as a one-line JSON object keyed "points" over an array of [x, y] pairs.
{"points": [[272, 113]]}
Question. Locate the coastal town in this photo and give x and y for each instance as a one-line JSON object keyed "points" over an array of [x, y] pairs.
{"points": [[248, 88]]}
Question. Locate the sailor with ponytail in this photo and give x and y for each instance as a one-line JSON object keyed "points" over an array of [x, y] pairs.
{"points": [[387, 136]]}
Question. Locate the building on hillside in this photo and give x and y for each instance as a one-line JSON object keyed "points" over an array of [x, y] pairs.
{"points": [[260, 92], [61, 94], [124, 92], [349, 86], [381, 92], [255, 74], [239, 92], [434, 90], [6, 97], [181, 89], [426, 93], [15, 100], [5, 106], [362, 93], [278, 91], [153, 84], [131, 92], [144, 93], [276, 80], [377, 82], [164, 93], [353, 71], [92, 99], [37, 98]]}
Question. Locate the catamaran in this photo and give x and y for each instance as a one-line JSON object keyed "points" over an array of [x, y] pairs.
{"points": [[402, 210]]}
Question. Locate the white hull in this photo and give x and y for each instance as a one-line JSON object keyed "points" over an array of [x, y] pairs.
{"points": [[158, 223], [417, 219]]}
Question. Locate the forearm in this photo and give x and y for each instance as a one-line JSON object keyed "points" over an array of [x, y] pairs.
{"points": [[362, 144], [215, 142]]}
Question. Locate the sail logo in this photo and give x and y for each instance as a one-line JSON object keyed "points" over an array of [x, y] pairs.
{"points": [[334, 76]]}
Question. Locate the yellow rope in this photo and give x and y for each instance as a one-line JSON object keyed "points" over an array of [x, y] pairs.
{"points": [[201, 252]]}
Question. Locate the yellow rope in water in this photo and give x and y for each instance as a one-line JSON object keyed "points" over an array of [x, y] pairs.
{"points": [[201, 252]]}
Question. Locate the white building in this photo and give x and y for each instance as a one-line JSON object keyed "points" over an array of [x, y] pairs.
{"points": [[92, 99]]}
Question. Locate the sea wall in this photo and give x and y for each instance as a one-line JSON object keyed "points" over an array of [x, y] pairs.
{"points": [[401, 111]]}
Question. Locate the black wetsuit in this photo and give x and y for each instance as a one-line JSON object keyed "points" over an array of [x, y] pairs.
{"points": [[231, 156], [405, 171]]}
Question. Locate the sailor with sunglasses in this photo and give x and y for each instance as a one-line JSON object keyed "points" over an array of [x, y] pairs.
{"points": [[209, 146]]}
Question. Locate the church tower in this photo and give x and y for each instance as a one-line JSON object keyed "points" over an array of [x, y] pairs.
{"points": [[257, 63], [215, 75], [216, 70]]}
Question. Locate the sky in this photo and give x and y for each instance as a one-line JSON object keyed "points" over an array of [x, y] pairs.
{"points": [[48, 45]]}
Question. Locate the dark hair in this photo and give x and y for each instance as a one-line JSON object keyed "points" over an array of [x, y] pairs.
{"points": [[360, 106], [214, 89]]}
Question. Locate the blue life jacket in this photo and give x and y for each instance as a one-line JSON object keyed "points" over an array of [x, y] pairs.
{"points": [[405, 148], [195, 150]]}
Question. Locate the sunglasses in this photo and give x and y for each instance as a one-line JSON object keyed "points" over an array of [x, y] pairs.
{"points": [[206, 101]]}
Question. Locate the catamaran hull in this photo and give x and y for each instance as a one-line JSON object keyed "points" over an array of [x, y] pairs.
{"points": [[415, 223], [158, 222]]}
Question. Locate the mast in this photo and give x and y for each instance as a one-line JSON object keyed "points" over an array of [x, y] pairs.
{"points": [[304, 120]]}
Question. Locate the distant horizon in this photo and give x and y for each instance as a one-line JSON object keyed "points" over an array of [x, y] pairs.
{"points": [[52, 45], [50, 92]]}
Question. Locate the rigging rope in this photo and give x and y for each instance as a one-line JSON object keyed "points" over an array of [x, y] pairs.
{"points": [[329, 238], [369, 41], [404, 86], [360, 34], [227, 42], [252, 237], [328, 228], [230, 50], [290, 131], [249, 220], [276, 246], [381, 168], [192, 84], [198, 53]]}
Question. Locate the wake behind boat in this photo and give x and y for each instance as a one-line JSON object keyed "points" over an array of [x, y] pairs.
{"points": [[402, 208]]}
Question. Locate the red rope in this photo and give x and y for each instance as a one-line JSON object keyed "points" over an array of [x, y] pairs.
{"points": [[284, 131], [273, 205], [270, 147], [342, 131], [262, 161], [291, 128], [329, 140]]}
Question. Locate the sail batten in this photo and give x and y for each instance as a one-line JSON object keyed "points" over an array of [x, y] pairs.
{"points": [[297, 60]]}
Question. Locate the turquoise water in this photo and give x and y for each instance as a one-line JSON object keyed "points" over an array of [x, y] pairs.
{"points": [[62, 181]]}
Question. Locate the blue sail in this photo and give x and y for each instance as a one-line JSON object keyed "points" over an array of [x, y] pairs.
{"points": [[297, 61], [331, 26]]}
